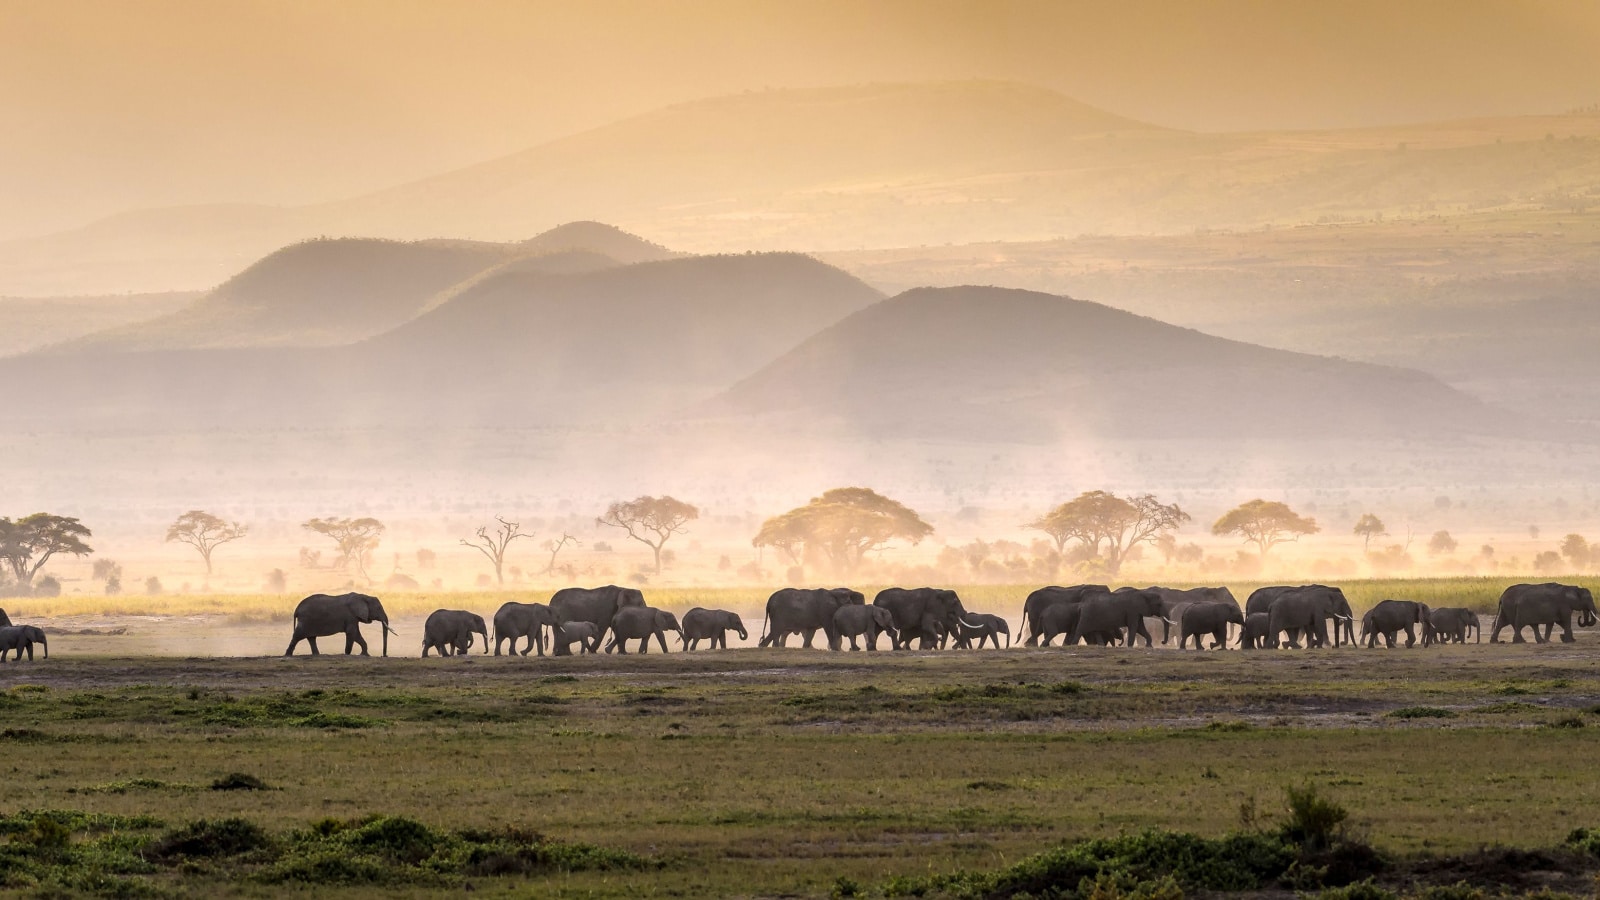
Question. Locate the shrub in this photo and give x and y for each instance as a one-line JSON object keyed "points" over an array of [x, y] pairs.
{"points": [[1458, 891], [48, 586], [1421, 712], [208, 840], [1361, 890], [1314, 821], [239, 781], [1586, 840]]}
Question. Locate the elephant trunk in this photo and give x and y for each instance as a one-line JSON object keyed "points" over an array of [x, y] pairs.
{"points": [[45, 643]]}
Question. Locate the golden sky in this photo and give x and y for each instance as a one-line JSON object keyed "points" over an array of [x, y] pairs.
{"points": [[121, 104]]}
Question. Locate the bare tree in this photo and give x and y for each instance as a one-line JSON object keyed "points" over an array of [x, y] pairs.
{"points": [[356, 538], [204, 532], [554, 545], [651, 521], [493, 546]]}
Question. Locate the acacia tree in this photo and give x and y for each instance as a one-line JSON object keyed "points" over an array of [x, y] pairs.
{"points": [[356, 538], [493, 546], [1577, 550], [651, 521], [29, 542], [1265, 523], [1369, 526], [1440, 543], [554, 545], [843, 525], [205, 532], [1099, 519]]}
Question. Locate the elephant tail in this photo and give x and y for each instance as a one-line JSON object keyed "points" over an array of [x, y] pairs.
{"points": [[765, 615]]}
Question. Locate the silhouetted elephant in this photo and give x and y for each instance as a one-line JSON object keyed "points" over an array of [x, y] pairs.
{"points": [[1106, 614], [1551, 604], [1254, 633], [1174, 602], [321, 615], [1208, 617], [981, 627], [1034, 607], [585, 634], [643, 623], [805, 611], [452, 629], [594, 605], [515, 620], [1062, 619], [910, 606], [854, 620], [5, 620], [20, 638], [712, 626], [1451, 624], [1306, 609], [1390, 617]]}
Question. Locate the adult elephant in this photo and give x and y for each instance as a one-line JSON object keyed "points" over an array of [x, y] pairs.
{"points": [[452, 630], [1152, 599], [1390, 617], [1175, 601], [597, 606], [1208, 617], [1307, 610], [513, 621], [911, 606], [1105, 614], [1551, 604], [1033, 609], [321, 615], [805, 611], [1451, 624], [866, 622], [20, 638], [1061, 619], [642, 623], [711, 626]]}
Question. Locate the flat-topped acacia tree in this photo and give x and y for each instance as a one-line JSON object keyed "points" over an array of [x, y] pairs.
{"points": [[356, 538], [843, 526], [205, 533], [29, 542], [1265, 523], [651, 521]]}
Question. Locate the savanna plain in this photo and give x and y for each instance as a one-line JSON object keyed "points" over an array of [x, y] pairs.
{"points": [[1459, 771]]}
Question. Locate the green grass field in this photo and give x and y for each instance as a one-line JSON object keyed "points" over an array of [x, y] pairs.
{"points": [[765, 773]]}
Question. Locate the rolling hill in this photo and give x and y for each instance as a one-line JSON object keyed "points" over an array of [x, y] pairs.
{"points": [[1004, 365]]}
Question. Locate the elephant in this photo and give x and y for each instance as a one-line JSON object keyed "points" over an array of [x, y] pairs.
{"points": [[804, 611], [931, 633], [1306, 609], [1549, 605], [321, 615], [642, 622], [585, 634], [1106, 613], [515, 620], [981, 627], [1034, 607], [910, 606], [712, 626], [452, 629], [1254, 633], [866, 622], [596, 605], [1174, 602], [1389, 617], [20, 638], [1208, 617], [5, 620], [1451, 624], [1062, 619]]}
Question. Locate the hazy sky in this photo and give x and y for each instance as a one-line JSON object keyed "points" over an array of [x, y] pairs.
{"points": [[112, 105]]}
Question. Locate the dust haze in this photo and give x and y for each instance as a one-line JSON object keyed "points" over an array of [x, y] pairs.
{"points": [[448, 268]]}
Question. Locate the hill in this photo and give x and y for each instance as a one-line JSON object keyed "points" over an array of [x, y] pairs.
{"points": [[29, 323], [1004, 365]]}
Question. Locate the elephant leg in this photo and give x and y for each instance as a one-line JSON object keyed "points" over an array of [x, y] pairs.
{"points": [[359, 641], [294, 641], [312, 642], [1411, 638], [1516, 634], [806, 636]]}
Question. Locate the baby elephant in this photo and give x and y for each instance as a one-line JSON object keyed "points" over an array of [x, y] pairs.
{"points": [[642, 622], [20, 638], [1062, 619], [1208, 617], [585, 634], [857, 620], [1451, 623], [522, 620], [453, 629], [981, 627], [711, 625], [1254, 633]]}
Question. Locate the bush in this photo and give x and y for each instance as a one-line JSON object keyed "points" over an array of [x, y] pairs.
{"points": [[1586, 840], [48, 586], [1361, 890], [208, 840], [1421, 712], [1314, 821], [239, 781]]}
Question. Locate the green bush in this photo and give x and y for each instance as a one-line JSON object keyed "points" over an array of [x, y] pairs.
{"points": [[1458, 891], [1421, 712], [1314, 821], [207, 840], [1586, 840], [1361, 890]]}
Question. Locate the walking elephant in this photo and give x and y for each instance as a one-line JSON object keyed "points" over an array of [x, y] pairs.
{"points": [[981, 627], [1254, 633], [1390, 617], [1062, 619], [1307, 610], [321, 615], [1174, 602], [866, 622], [1208, 617], [594, 605], [1106, 614], [1551, 604], [20, 638], [712, 626], [585, 634], [514, 620], [452, 629], [642, 623], [1033, 609], [805, 611], [910, 606], [1451, 624]]}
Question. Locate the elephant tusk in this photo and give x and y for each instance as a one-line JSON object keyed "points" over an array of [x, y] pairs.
{"points": [[1167, 620]]}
